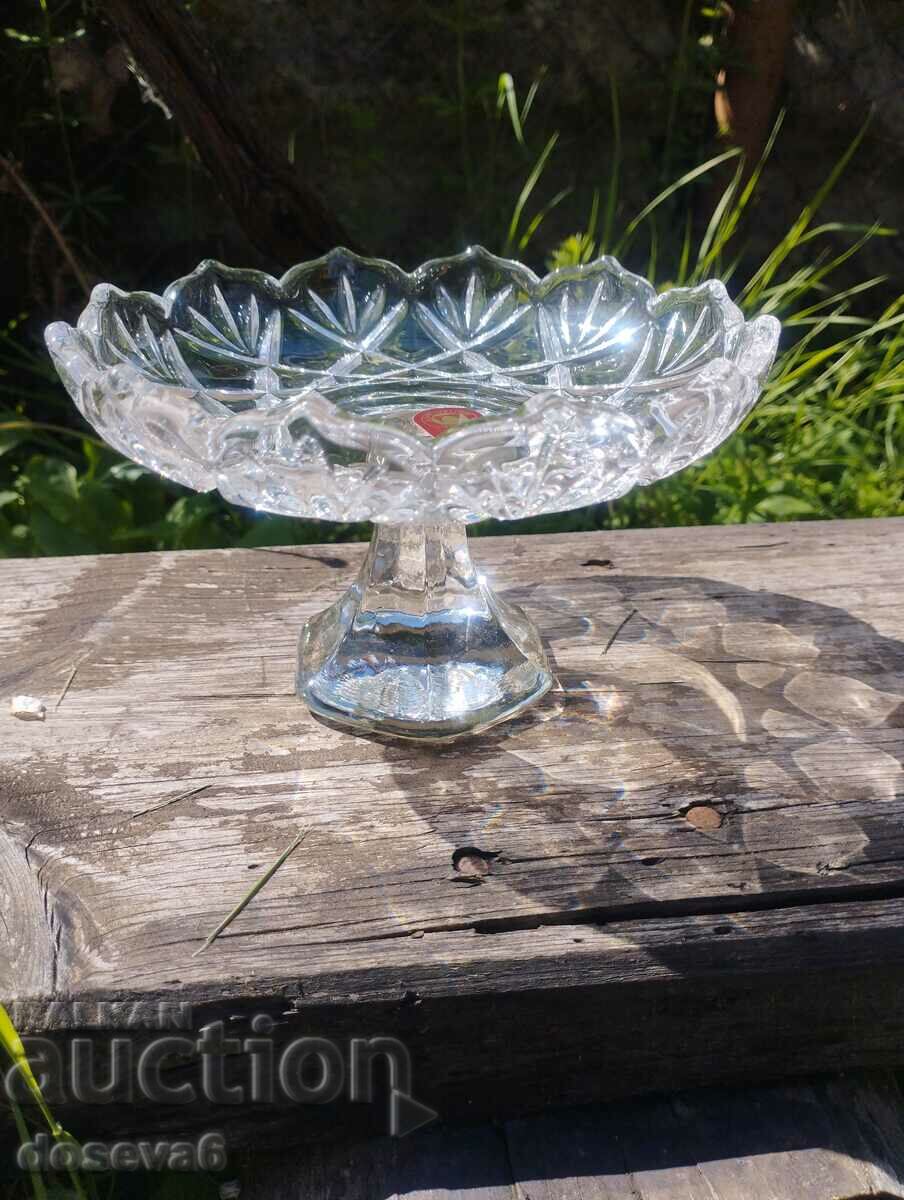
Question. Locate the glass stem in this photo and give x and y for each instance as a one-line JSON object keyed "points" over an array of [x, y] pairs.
{"points": [[419, 570], [420, 646]]}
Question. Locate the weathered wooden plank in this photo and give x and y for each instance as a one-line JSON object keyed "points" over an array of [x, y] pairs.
{"points": [[710, 806], [822, 1140], [185, 680], [514, 1022], [835, 1139], [26, 948], [469, 1162]]}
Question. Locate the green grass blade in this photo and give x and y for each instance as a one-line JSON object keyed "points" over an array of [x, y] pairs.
{"points": [[677, 185], [800, 348], [531, 96], [849, 347], [253, 891], [718, 219], [839, 319], [733, 215], [506, 97], [763, 276], [807, 279], [837, 298], [44, 427], [846, 227], [590, 232], [895, 349], [684, 260], [612, 189], [653, 257], [677, 82], [37, 1180], [12, 1044], [538, 219], [529, 185]]}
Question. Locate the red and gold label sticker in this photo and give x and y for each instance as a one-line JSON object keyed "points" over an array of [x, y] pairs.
{"points": [[437, 421]]}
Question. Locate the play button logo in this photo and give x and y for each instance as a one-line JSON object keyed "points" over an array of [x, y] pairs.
{"points": [[407, 1114]]}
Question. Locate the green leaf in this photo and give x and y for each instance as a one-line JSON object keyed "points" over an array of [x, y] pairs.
{"points": [[54, 537], [271, 531], [53, 484], [787, 506], [100, 512], [10, 439]]}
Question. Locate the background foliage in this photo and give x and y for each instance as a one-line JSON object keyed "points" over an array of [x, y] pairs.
{"points": [[97, 182], [551, 132]]}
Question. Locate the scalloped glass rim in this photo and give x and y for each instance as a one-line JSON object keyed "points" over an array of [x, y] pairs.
{"points": [[560, 444]]}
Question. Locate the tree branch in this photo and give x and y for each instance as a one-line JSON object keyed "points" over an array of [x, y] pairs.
{"points": [[759, 35], [284, 218], [56, 233]]}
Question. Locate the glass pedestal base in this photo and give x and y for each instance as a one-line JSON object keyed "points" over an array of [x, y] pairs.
{"points": [[419, 646]]}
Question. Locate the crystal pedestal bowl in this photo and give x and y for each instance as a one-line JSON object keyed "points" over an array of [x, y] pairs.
{"points": [[350, 390]]}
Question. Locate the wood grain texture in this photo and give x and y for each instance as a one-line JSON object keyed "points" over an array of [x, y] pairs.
{"points": [[824, 1140], [27, 945], [696, 840]]}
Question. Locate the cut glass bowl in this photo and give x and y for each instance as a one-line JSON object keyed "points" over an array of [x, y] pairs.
{"points": [[350, 390]]}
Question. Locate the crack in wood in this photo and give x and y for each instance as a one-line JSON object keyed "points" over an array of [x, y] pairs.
{"points": [[167, 803], [604, 915]]}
